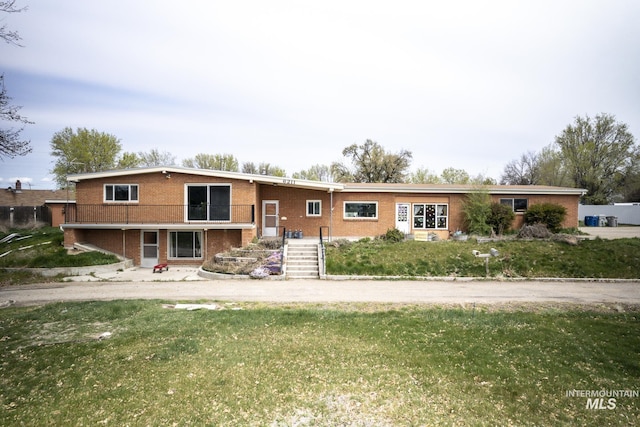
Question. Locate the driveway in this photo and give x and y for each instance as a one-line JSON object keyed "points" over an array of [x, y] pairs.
{"points": [[611, 232], [332, 291]]}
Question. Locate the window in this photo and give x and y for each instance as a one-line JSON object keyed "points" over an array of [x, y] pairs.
{"points": [[185, 244], [209, 202], [314, 208], [368, 210], [121, 192], [518, 205], [430, 216]]}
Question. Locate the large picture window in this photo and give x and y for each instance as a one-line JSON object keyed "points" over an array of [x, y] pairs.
{"points": [[121, 192], [430, 216], [366, 210], [185, 244], [209, 202], [517, 205]]}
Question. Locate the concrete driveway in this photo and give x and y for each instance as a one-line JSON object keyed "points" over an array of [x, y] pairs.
{"points": [[331, 291], [611, 232]]}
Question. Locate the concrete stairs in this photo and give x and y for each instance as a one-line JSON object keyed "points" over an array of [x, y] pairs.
{"points": [[302, 259]]}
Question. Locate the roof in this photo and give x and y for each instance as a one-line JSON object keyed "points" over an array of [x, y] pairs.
{"points": [[262, 179], [336, 186], [460, 189], [11, 197]]}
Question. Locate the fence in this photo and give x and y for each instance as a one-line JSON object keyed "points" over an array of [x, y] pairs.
{"points": [[627, 214], [18, 216]]}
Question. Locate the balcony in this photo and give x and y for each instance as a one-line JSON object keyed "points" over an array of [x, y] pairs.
{"points": [[160, 214]]}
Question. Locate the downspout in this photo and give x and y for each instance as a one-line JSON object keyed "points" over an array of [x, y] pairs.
{"points": [[124, 243], [330, 214]]}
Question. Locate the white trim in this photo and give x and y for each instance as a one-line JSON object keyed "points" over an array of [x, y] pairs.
{"points": [[264, 217], [314, 215], [425, 204], [207, 185], [361, 218], [142, 246], [129, 200], [192, 230]]}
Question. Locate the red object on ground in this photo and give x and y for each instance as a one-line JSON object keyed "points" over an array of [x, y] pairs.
{"points": [[159, 268]]}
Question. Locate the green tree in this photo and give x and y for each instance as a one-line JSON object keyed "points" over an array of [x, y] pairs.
{"points": [[83, 151], [315, 173], [128, 161], [371, 163], [597, 154], [455, 176], [221, 162], [423, 175], [552, 168], [263, 169], [156, 158]]}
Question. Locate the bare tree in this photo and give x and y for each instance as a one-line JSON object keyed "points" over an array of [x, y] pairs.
{"points": [[523, 171], [156, 158], [11, 144], [11, 37]]}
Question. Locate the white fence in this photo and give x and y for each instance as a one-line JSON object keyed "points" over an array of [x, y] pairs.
{"points": [[627, 214]]}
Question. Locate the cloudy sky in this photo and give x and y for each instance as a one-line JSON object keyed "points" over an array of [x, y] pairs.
{"points": [[464, 84]]}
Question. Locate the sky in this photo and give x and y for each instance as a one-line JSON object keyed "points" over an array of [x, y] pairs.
{"points": [[466, 84]]}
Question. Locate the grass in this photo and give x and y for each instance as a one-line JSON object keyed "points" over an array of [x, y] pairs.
{"points": [[315, 365], [597, 258], [41, 248]]}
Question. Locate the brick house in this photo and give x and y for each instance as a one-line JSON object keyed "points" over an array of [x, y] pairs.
{"points": [[185, 216]]}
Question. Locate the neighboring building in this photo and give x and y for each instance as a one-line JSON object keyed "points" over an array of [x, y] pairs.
{"points": [[184, 216], [20, 206]]}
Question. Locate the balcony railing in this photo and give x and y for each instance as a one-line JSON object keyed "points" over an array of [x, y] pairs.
{"points": [[160, 214]]}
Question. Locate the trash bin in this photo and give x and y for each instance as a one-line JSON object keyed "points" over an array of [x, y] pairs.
{"points": [[602, 220], [591, 221], [612, 221]]}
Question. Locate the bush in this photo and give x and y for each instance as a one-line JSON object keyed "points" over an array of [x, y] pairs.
{"points": [[393, 235], [477, 209], [500, 218], [550, 214]]}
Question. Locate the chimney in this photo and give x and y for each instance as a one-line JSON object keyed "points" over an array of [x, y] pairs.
{"points": [[18, 186]]}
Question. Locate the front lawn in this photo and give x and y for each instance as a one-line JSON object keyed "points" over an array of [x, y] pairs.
{"points": [[314, 365], [597, 258]]}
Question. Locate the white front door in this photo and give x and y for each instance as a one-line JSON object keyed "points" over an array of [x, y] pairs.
{"points": [[270, 212], [149, 245], [403, 217]]}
